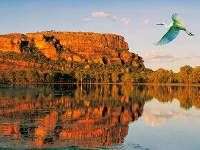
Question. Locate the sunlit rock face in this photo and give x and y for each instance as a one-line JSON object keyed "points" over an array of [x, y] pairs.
{"points": [[74, 46], [10, 42], [51, 117]]}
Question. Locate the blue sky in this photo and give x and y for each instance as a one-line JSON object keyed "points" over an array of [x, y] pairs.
{"points": [[134, 19]]}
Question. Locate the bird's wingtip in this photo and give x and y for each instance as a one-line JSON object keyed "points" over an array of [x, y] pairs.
{"points": [[158, 43]]}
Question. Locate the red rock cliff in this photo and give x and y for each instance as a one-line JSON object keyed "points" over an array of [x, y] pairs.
{"points": [[74, 46]]}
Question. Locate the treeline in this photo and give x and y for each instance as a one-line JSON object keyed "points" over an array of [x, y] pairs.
{"points": [[44, 70], [31, 75], [103, 74], [187, 75], [82, 74]]}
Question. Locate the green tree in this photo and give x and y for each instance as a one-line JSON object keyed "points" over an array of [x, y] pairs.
{"points": [[161, 76], [47, 77], [21, 76], [115, 77], [57, 76], [106, 77], [32, 75], [127, 77], [3, 77], [184, 73], [11, 76], [97, 77], [195, 75], [79, 75]]}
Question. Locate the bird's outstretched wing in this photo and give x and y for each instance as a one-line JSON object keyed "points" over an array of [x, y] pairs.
{"points": [[169, 36], [176, 19]]}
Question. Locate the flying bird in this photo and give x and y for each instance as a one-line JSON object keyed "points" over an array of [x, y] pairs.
{"points": [[174, 28]]}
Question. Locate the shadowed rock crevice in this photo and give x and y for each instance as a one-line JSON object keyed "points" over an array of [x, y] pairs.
{"points": [[55, 42]]}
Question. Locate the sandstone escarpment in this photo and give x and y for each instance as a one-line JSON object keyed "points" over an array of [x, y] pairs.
{"points": [[74, 46]]}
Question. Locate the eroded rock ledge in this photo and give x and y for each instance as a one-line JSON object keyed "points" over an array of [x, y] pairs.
{"points": [[74, 46]]}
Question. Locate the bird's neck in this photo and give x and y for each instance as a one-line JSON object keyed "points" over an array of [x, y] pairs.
{"points": [[168, 25]]}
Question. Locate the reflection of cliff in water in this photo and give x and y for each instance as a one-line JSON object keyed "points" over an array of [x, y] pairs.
{"points": [[85, 116], [66, 116]]}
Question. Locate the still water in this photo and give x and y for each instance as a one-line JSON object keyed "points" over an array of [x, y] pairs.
{"points": [[131, 117]]}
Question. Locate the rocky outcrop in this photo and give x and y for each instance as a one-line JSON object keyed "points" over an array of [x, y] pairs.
{"points": [[10, 42], [74, 46]]}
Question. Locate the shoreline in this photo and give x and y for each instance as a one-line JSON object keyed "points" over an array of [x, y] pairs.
{"points": [[72, 83], [168, 84]]}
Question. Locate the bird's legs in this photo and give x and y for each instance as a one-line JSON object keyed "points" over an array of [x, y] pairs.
{"points": [[189, 33]]}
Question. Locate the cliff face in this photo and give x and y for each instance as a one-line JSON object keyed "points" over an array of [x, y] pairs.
{"points": [[74, 46]]}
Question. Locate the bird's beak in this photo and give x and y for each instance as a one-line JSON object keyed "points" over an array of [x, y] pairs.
{"points": [[159, 24]]}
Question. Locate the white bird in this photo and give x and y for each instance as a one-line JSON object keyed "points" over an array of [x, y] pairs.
{"points": [[174, 28]]}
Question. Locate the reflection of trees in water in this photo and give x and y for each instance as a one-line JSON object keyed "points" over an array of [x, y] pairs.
{"points": [[187, 96], [63, 116]]}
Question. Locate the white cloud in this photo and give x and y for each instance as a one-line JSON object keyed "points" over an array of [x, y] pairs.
{"points": [[146, 21], [125, 21], [114, 18], [156, 116], [153, 120], [149, 54], [87, 19], [100, 14], [154, 56]]}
